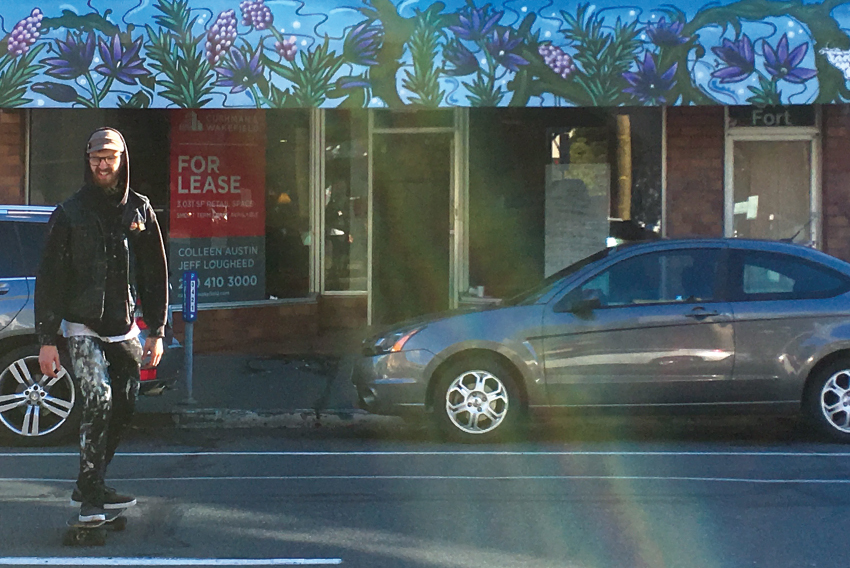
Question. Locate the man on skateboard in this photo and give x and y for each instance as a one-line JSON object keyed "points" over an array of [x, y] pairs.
{"points": [[104, 250]]}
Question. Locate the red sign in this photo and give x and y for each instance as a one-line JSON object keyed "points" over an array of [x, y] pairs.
{"points": [[218, 173]]}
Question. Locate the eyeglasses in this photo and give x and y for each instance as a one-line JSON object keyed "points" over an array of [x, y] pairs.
{"points": [[110, 160]]}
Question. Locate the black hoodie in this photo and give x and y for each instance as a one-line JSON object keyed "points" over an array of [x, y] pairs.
{"points": [[103, 252]]}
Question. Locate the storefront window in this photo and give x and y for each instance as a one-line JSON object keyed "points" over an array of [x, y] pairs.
{"points": [[235, 207], [345, 200], [550, 186], [288, 229]]}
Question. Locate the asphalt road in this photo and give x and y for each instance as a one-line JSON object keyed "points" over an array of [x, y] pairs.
{"points": [[653, 494]]}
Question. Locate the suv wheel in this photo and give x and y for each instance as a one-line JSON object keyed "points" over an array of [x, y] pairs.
{"points": [[36, 409]]}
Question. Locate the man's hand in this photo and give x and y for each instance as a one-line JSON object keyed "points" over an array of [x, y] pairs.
{"points": [[152, 349], [48, 360]]}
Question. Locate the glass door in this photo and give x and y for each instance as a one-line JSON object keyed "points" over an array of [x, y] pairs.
{"points": [[772, 184], [412, 221]]}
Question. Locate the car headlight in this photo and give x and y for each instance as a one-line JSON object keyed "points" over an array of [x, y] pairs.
{"points": [[389, 343]]}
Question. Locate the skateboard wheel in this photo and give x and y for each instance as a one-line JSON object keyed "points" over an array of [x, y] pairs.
{"points": [[84, 537], [119, 524]]}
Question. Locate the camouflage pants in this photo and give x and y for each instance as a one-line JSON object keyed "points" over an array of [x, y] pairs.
{"points": [[109, 381]]}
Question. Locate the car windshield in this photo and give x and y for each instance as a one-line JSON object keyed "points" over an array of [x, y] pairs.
{"points": [[532, 295]]}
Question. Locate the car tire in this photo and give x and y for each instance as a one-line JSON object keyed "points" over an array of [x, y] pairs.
{"points": [[827, 400], [478, 400], [36, 410]]}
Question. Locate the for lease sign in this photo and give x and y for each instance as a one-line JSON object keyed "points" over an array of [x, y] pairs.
{"points": [[217, 216]]}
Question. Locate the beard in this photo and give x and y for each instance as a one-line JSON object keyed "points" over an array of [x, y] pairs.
{"points": [[108, 183]]}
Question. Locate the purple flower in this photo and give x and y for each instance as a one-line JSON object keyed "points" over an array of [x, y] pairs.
{"points": [[74, 57], [286, 48], [118, 63], [647, 84], [784, 65], [501, 49], [557, 59], [361, 46], [238, 73], [25, 33], [739, 58], [662, 33], [220, 37], [462, 61], [474, 24], [256, 13]]}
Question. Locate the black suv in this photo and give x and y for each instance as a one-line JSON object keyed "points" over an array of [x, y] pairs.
{"points": [[35, 409]]}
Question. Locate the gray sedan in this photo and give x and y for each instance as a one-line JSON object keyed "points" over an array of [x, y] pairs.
{"points": [[721, 325]]}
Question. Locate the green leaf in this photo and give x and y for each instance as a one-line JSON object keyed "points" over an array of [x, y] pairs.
{"points": [[424, 45], [14, 80], [139, 100]]}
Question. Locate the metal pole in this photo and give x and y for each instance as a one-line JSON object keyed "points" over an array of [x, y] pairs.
{"points": [[188, 359]]}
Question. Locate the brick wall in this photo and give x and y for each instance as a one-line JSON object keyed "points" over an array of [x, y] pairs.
{"points": [[836, 180], [331, 325], [12, 157], [695, 147], [271, 329]]}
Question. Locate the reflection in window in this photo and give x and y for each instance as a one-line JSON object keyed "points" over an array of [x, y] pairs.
{"points": [[550, 186], [346, 200], [288, 203], [676, 276], [769, 276]]}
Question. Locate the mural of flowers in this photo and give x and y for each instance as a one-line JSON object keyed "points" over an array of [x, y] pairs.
{"points": [[739, 64], [648, 84], [254, 53], [478, 36]]}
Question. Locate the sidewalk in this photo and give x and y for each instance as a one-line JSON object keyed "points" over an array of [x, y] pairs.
{"points": [[288, 391]]}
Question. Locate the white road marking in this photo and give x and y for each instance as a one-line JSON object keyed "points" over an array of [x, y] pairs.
{"points": [[445, 478], [128, 561], [437, 453]]}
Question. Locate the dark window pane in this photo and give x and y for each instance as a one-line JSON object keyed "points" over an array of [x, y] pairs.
{"points": [[10, 259], [768, 276], [58, 145], [672, 276], [550, 186], [32, 242], [288, 203], [346, 203]]}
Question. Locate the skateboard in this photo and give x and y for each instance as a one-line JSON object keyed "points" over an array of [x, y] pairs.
{"points": [[93, 533]]}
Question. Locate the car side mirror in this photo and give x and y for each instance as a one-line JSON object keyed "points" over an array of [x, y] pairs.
{"points": [[587, 301], [581, 302]]}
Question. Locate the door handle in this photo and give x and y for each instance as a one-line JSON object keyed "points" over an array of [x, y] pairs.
{"points": [[4, 289], [701, 313]]}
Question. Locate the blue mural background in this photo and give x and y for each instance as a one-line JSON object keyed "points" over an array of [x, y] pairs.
{"points": [[421, 53]]}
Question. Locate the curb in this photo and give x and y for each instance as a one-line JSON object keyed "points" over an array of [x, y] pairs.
{"points": [[230, 418]]}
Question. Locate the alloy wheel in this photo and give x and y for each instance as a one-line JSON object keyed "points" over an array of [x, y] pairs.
{"points": [[477, 402], [31, 403], [835, 400]]}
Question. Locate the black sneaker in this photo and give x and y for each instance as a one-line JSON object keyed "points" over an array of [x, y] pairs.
{"points": [[111, 499], [91, 514]]}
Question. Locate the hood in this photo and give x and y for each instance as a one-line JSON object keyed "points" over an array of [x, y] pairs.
{"points": [[123, 172]]}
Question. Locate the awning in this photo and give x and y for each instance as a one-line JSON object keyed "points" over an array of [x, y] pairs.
{"points": [[422, 54]]}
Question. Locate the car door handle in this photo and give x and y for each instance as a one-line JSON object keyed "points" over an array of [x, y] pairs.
{"points": [[4, 289], [701, 313]]}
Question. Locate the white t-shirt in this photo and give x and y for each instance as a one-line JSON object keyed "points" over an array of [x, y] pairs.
{"points": [[72, 329]]}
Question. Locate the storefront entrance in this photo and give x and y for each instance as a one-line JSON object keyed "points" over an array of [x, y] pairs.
{"points": [[411, 181]]}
